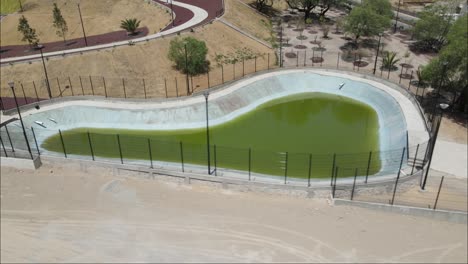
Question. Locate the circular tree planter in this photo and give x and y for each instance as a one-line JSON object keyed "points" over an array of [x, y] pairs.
{"points": [[406, 65], [316, 59], [360, 63], [300, 47], [290, 55], [405, 76], [301, 37], [317, 42], [298, 29], [287, 45], [319, 49], [417, 84], [312, 32]]}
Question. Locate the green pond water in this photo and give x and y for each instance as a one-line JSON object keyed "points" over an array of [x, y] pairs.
{"points": [[286, 135]]}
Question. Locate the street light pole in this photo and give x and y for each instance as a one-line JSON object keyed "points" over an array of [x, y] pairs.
{"points": [[444, 69], [442, 107], [377, 54], [45, 72], [396, 18], [206, 94], [12, 86], [82, 25]]}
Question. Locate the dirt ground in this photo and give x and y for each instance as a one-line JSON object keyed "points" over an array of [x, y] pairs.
{"points": [[99, 17], [247, 19], [146, 60], [60, 214]]}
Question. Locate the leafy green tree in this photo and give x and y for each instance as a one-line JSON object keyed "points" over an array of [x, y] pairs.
{"points": [[364, 21], [325, 5], [130, 25], [305, 6], [59, 22], [455, 74], [196, 52], [380, 7], [261, 5], [29, 34], [432, 28]]}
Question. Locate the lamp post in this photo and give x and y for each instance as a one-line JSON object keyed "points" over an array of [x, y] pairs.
{"points": [[206, 94], [377, 54], [442, 107], [45, 71], [396, 18], [12, 86], [82, 25]]}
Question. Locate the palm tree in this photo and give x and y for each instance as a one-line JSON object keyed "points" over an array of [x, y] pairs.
{"points": [[390, 61], [130, 25]]}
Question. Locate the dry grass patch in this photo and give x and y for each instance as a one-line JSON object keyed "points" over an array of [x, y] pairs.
{"points": [[99, 17], [247, 19], [146, 60]]}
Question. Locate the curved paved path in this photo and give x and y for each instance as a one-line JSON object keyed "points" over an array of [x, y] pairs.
{"points": [[188, 14]]}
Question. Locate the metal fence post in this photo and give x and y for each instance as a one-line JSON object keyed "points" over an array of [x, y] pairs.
{"points": [[208, 77], [268, 61], [243, 67], [411, 78], [91, 83], [81, 84], [401, 72], [222, 73], [9, 139], [255, 68], [286, 168], [35, 141], [250, 162], [182, 156], [176, 87], [24, 94], [123, 85], [105, 87], [333, 169], [4, 149], [71, 86], [215, 163], [35, 90], [305, 57], [398, 176], [310, 170], [354, 183], [407, 145], [165, 86], [414, 160], [63, 144], [297, 58], [368, 165], [438, 192], [150, 153], [334, 184], [234, 71], [60, 89], [338, 60], [90, 145], [321, 58], [144, 87], [120, 149]]}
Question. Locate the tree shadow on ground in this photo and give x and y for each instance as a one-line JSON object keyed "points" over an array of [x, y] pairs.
{"points": [[266, 10]]}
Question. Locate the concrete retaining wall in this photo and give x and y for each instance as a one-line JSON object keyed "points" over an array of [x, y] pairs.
{"points": [[26, 164], [451, 216]]}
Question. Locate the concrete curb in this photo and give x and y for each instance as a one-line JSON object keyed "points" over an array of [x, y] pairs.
{"points": [[441, 215]]}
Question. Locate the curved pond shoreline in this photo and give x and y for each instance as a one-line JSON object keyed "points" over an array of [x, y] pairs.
{"points": [[397, 114]]}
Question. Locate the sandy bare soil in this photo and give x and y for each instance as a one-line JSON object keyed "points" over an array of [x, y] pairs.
{"points": [[98, 17], [63, 215]]}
